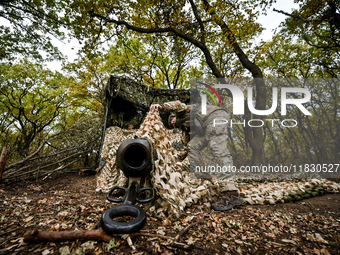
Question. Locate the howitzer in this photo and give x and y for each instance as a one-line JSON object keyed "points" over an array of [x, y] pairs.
{"points": [[135, 158]]}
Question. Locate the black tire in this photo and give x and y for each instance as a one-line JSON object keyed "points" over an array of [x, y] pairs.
{"points": [[113, 227]]}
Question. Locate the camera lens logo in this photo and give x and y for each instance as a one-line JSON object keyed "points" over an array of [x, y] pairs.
{"points": [[207, 91]]}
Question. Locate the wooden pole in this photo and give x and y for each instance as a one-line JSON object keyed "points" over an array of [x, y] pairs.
{"points": [[3, 159]]}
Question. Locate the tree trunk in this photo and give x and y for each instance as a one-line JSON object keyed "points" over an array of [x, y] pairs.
{"points": [[3, 159], [254, 136]]}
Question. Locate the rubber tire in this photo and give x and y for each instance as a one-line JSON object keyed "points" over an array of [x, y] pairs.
{"points": [[113, 227]]}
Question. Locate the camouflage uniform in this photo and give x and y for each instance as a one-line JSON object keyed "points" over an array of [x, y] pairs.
{"points": [[209, 148]]}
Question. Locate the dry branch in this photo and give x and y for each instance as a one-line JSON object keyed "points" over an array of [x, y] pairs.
{"points": [[53, 236], [98, 234], [291, 15], [17, 173], [31, 157], [65, 149], [27, 158], [180, 233]]}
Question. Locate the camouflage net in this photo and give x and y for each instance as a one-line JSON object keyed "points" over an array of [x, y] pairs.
{"points": [[282, 192], [174, 186]]}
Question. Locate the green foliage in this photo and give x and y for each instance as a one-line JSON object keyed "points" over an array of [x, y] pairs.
{"points": [[27, 27], [159, 62], [181, 35], [283, 58], [307, 47], [316, 137], [318, 22], [32, 100], [311, 35], [163, 44], [87, 80]]}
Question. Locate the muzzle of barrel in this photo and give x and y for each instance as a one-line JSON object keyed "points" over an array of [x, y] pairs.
{"points": [[134, 157]]}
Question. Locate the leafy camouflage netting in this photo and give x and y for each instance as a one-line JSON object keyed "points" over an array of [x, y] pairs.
{"points": [[173, 184], [287, 191]]}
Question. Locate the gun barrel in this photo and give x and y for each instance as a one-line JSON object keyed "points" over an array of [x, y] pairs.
{"points": [[134, 157]]}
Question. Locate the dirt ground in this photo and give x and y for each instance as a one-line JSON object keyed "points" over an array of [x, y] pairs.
{"points": [[69, 202]]}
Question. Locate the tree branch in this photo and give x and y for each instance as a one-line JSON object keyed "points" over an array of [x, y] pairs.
{"points": [[199, 20], [169, 29], [252, 67], [50, 236], [291, 15]]}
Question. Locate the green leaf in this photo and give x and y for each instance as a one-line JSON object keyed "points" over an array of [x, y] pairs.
{"points": [[112, 244]]}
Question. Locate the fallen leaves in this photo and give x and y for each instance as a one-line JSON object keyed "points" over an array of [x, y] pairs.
{"points": [[28, 219], [65, 250], [160, 232], [317, 238], [288, 241], [112, 244], [247, 230], [63, 213], [190, 241]]}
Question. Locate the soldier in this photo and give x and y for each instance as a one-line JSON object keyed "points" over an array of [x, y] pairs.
{"points": [[208, 144]]}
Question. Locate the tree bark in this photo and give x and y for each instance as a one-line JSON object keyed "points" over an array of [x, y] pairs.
{"points": [[3, 159]]}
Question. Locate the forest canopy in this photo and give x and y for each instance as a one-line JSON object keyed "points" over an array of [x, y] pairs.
{"points": [[162, 44]]}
